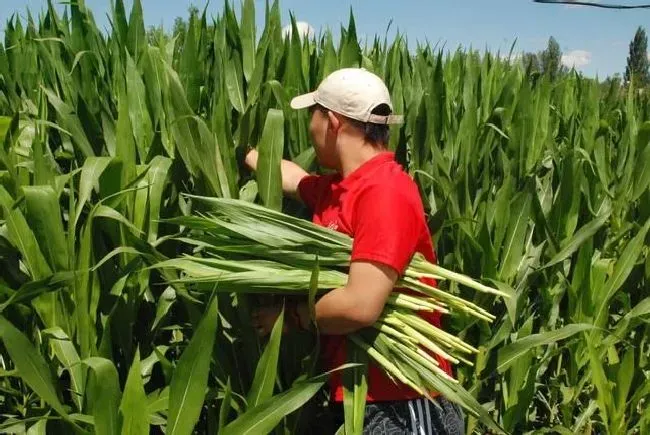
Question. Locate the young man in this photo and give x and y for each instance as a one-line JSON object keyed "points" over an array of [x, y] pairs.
{"points": [[370, 198]]}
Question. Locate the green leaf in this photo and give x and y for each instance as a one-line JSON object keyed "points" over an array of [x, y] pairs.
{"points": [[580, 237], [157, 177], [624, 379], [38, 428], [126, 147], [190, 379], [91, 171], [306, 158], [642, 170], [165, 302], [138, 111], [622, 270], [149, 362], [330, 62], [5, 121], [159, 401], [136, 38], [234, 83], [599, 379], [355, 389], [44, 217], [70, 122], [133, 407], [267, 367], [23, 238], [267, 415], [189, 68], [564, 214], [515, 237], [32, 289], [67, 354], [351, 52], [111, 213], [31, 366], [509, 354], [269, 177], [104, 395], [248, 37], [120, 24], [225, 406]]}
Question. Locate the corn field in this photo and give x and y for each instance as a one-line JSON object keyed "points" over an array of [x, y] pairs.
{"points": [[538, 186]]}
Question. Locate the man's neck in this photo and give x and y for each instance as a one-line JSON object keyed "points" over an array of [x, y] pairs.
{"points": [[355, 156]]}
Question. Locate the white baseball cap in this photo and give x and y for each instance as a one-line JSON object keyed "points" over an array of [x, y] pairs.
{"points": [[352, 92]]}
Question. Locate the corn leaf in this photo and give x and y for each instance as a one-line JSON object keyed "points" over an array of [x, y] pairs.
{"points": [[67, 354], [582, 235], [248, 37], [189, 382], [266, 416], [43, 216], [21, 235], [509, 354], [90, 172], [267, 367], [269, 178], [133, 406], [622, 270], [104, 397], [31, 366], [355, 389]]}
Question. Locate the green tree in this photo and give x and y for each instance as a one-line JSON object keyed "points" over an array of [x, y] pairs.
{"points": [[551, 59], [531, 62], [156, 35], [638, 68]]}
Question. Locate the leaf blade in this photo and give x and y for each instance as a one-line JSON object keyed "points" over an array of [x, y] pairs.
{"points": [[189, 382]]}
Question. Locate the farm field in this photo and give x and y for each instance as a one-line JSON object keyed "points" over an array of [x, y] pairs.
{"points": [[536, 185]]}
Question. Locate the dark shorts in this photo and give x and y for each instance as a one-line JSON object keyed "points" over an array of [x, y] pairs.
{"points": [[413, 417]]}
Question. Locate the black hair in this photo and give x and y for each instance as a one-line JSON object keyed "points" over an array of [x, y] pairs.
{"points": [[377, 134]]}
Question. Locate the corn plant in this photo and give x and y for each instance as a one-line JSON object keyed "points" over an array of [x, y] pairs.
{"points": [[537, 187]]}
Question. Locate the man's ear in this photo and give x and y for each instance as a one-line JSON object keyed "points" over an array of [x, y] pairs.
{"points": [[334, 121]]}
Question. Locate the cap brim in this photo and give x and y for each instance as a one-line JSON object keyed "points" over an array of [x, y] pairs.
{"points": [[303, 101]]}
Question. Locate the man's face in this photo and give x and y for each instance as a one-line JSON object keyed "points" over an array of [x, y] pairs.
{"points": [[323, 136]]}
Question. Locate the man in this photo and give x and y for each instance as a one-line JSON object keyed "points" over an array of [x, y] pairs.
{"points": [[370, 198]]}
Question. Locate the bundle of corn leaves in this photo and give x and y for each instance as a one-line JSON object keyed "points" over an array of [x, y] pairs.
{"points": [[242, 247]]}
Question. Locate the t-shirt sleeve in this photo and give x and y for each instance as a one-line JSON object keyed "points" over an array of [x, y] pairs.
{"points": [[386, 227], [310, 189]]}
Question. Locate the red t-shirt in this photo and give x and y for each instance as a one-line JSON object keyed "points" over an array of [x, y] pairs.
{"points": [[379, 206]]}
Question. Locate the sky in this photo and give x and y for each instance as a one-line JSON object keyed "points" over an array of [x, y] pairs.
{"points": [[593, 40]]}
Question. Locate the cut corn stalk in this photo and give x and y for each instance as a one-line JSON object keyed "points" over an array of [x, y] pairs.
{"points": [[388, 330], [247, 248], [420, 264], [426, 360], [384, 362], [422, 340], [431, 330], [416, 304]]}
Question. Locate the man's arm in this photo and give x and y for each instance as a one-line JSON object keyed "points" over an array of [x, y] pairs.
{"points": [[357, 305], [291, 173], [386, 227]]}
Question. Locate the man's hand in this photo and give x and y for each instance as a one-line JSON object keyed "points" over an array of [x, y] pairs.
{"points": [[296, 316], [291, 172], [264, 318], [341, 311]]}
